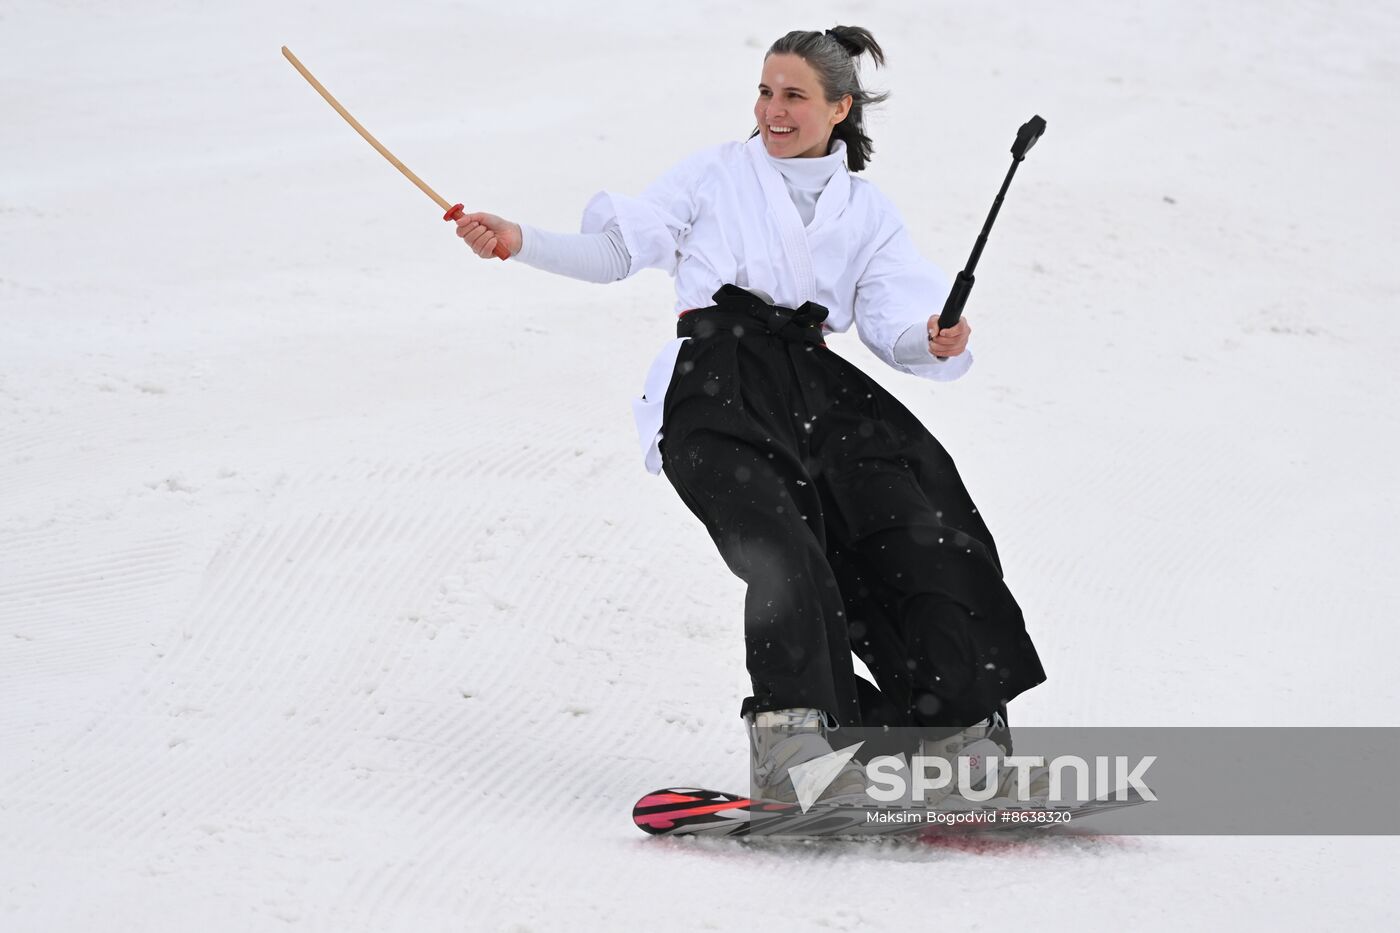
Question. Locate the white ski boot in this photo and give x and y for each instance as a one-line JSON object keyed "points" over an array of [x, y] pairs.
{"points": [[976, 744], [781, 739]]}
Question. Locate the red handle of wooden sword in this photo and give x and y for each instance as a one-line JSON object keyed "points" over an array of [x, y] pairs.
{"points": [[456, 212]]}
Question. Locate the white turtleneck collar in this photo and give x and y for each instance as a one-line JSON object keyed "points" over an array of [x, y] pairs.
{"points": [[807, 178]]}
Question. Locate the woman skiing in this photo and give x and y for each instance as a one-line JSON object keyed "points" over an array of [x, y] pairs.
{"points": [[845, 517]]}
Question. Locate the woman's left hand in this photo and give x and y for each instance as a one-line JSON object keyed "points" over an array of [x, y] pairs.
{"points": [[950, 341]]}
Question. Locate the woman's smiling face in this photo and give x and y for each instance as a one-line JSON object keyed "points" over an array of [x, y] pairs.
{"points": [[792, 112]]}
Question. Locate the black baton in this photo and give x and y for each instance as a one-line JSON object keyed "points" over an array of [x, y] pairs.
{"points": [[1026, 137]]}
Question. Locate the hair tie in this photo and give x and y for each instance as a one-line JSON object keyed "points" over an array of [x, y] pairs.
{"points": [[831, 34]]}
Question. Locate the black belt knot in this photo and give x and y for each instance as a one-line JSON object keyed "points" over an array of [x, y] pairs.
{"points": [[740, 311]]}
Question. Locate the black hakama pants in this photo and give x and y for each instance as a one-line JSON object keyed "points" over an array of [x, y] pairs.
{"points": [[848, 521]]}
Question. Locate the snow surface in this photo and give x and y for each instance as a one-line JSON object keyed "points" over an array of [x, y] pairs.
{"points": [[333, 595]]}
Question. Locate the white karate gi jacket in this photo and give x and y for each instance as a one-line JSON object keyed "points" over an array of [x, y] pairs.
{"points": [[724, 215]]}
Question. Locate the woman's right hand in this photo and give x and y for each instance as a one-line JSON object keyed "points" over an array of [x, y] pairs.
{"points": [[481, 232]]}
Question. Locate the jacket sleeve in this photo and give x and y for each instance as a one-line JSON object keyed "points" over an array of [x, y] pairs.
{"points": [[653, 223], [590, 257], [896, 294]]}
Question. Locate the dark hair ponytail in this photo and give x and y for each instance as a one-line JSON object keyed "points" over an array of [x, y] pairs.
{"points": [[832, 55]]}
